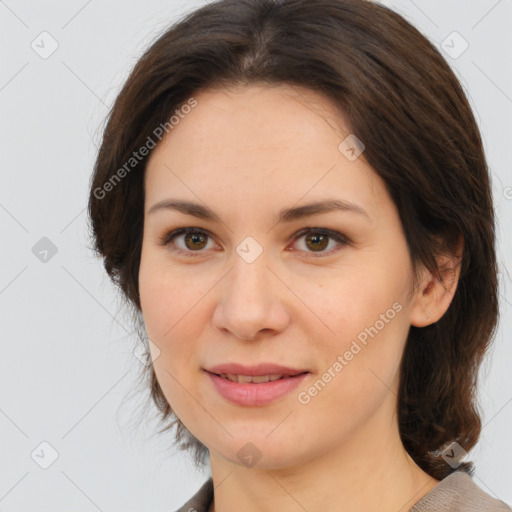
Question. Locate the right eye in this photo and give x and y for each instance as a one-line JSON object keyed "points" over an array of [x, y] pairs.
{"points": [[194, 240]]}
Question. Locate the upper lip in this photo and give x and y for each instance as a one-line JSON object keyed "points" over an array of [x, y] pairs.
{"points": [[259, 369]]}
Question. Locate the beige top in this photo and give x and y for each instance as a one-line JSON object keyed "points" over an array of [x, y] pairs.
{"points": [[455, 493]]}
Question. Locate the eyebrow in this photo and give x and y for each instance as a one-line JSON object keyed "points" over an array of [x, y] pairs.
{"points": [[285, 215]]}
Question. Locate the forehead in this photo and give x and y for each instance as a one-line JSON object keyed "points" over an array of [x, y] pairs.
{"points": [[260, 143], [257, 118]]}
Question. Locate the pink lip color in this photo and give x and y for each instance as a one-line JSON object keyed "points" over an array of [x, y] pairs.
{"points": [[255, 394]]}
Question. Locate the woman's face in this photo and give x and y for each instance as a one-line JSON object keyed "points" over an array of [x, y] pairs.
{"points": [[250, 288]]}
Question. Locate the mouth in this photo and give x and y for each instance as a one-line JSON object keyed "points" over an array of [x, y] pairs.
{"points": [[255, 379], [255, 390], [262, 369]]}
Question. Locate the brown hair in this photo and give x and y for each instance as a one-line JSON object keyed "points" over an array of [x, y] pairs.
{"points": [[401, 99]]}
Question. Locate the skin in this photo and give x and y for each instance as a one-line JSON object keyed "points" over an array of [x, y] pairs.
{"points": [[246, 152]]}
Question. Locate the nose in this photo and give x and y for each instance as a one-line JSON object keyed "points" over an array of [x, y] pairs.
{"points": [[251, 301]]}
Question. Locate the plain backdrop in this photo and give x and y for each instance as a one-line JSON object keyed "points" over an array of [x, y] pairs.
{"points": [[66, 368]]}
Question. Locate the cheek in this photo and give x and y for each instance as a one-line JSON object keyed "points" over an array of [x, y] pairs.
{"points": [[360, 367], [167, 295], [366, 312], [355, 301], [172, 302], [167, 302]]}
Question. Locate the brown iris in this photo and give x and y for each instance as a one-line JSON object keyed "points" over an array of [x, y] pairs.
{"points": [[316, 237], [196, 238]]}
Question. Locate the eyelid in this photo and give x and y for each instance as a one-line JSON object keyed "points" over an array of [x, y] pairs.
{"points": [[341, 239]]}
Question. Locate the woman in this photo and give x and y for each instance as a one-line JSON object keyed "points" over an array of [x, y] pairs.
{"points": [[294, 197]]}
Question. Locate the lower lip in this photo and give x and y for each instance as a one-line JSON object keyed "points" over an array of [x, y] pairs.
{"points": [[255, 394]]}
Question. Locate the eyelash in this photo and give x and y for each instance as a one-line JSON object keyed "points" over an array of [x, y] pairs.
{"points": [[167, 238]]}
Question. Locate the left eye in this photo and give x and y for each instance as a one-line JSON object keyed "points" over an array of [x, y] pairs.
{"points": [[195, 240], [319, 239]]}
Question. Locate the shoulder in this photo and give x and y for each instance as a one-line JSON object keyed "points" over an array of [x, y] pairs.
{"points": [[459, 493], [201, 500], [455, 493]]}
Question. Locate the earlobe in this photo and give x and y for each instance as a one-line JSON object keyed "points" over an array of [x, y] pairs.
{"points": [[422, 310], [435, 295]]}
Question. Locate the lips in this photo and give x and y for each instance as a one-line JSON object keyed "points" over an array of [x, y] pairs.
{"points": [[255, 394], [255, 379], [255, 370]]}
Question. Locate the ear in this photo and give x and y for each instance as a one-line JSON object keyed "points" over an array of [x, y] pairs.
{"points": [[434, 296]]}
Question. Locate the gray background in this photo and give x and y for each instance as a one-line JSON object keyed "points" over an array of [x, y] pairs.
{"points": [[67, 369]]}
